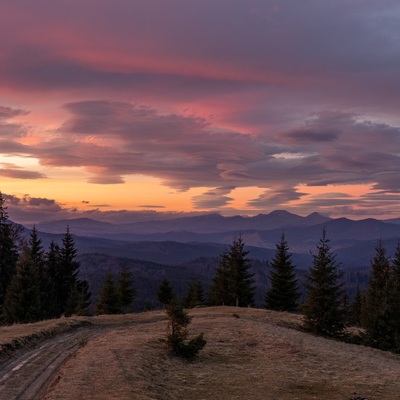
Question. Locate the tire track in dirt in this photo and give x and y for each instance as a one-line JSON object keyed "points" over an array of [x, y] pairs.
{"points": [[27, 375]]}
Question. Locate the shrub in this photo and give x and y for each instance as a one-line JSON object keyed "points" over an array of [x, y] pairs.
{"points": [[177, 333]]}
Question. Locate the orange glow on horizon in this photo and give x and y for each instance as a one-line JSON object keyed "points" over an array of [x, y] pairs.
{"points": [[350, 189]]}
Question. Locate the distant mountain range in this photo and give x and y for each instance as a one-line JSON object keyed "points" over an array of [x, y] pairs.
{"points": [[188, 247], [204, 235], [210, 223]]}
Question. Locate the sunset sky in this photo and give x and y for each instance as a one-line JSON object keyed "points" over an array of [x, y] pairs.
{"points": [[126, 109]]}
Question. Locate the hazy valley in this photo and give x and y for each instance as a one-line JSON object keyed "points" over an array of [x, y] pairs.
{"points": [[186, 249]]}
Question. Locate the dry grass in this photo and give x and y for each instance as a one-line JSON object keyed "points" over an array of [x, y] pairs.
{"points": [[250, 354]]}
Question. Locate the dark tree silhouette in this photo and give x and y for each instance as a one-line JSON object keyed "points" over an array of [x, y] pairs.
{"points": [[284, 292], [110, 299], [177, 333], [165, 294], [126, 289], [233, 281], [24, 297], [8, 252], [379, 313], [323, 307], [195, 295]]}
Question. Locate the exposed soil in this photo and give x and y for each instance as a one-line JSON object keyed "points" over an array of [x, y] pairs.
{"points": [[250, 354]]}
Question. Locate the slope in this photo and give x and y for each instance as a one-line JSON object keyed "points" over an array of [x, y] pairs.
{"points": [[250, 354]]}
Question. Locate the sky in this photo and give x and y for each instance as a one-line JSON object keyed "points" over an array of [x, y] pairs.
{"points": [[124, 109]]}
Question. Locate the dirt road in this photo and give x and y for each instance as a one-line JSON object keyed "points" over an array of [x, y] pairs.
{"points": [[27, 374]]}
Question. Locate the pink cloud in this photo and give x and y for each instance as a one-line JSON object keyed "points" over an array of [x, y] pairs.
{"points": [[229, 88]]}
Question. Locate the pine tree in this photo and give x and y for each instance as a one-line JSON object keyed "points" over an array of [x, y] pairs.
{"points": [[55, 305], [233, 281], [165, 294], [68, 270], [39, 259], [243, 289], [284, 292], [109, 300], [323, 309], [177, 333], [24, 301], [126, 289], [220, 292], [3, 209], [378, 312], [8, 252], [79, 300], [395, 299], [194, 296]]}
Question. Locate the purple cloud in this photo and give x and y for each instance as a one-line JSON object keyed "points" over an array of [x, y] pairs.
{"points": [[11, 171], [271, 94], [215, 198]]}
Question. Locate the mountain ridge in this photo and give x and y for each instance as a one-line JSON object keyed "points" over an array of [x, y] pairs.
{"points": [[208, 223]]}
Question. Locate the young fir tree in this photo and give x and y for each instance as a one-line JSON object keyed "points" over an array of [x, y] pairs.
{"points": [[194, 296], [8, 252], [177, 333], [110, 299], [24, 300], [378, 311], [165, 294], [79, 300], [220, 292], [284, 292], [233, 281], [323, 308], [126, 289]]}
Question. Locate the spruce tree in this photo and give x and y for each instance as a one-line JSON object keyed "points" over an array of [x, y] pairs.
{"points": [[54, 303], [3, 209], [126, 289], [194, 296], [177, 333], [395, 299], [67, 276], [284, 292], [79, 300], [233, 281], [323, 308], [110, 300], [39, 259], [220, 292], [242, 284], [378, 313], [165, 294], [8, 252], [24, 301]]}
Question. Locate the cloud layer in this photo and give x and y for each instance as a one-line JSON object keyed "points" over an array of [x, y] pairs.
{"points": [[278, 96]]}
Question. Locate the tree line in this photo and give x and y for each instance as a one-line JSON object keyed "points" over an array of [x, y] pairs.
{"points": [[37, 284], [326, 308]]}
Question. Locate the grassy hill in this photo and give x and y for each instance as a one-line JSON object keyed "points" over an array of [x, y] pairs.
{"points": [[250, 354]]}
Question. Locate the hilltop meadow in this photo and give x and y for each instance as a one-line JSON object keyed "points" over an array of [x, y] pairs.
{"points": [[250, 354]]}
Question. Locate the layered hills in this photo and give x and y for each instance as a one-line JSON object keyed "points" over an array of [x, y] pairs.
{"points": [[187, 248]]}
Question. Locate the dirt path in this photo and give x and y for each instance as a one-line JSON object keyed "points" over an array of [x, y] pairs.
{"points": [[27, 374], [29, 371]]}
